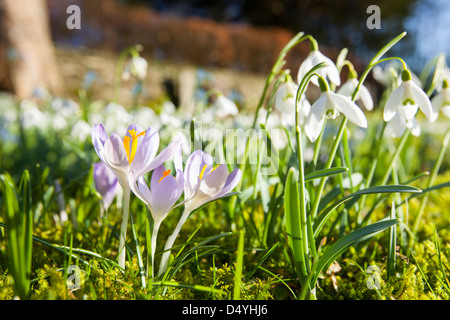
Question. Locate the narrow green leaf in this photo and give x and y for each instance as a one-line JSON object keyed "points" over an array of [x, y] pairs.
{"points": [[335, 250], [239, 267], [323, 217], [325, 173], [293, 223]]}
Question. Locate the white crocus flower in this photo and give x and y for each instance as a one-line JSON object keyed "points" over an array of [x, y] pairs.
{"points": [[441, 101], [315, 57], [406, 99], [285, 103], [330, 105], [349, 87]]}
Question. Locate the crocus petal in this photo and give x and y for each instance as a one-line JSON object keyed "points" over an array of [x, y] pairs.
{"points": [[315, 119], [145, 152], [214, 181], [99, 138], [421, 98], [164, 197], [349, 109], [157, 175], [394, 100], [105, 183], [194, 166], [232, 181], [165, 154]]}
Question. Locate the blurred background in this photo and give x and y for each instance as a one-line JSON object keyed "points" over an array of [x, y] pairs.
{"points": [[237, 36]]}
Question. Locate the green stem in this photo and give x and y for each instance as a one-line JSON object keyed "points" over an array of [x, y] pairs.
{"points": [[431, 181], [123, 228]]}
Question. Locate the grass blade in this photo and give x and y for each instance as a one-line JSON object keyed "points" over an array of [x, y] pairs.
{"points": [[345, 242]]}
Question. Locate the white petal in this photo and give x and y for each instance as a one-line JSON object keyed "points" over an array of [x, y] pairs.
{"points": [[306, 65], [366, 97], [396, 126], [422, 100], [315, 119], [446, 111], [394, 100], [436, 104], [414, 126], [349, 109]]}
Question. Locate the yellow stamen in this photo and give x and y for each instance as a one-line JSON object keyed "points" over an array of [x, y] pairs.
{"points": [[165, 174], [131, 149], [202, 172]]}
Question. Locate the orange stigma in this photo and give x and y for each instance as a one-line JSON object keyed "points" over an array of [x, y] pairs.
{"points": [[130, 148]]}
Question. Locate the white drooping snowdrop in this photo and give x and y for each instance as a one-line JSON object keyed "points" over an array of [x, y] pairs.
{"points": [[315, 57], [402, 106], [349, 87], [330, 105], [441, 101], [285, 103]]}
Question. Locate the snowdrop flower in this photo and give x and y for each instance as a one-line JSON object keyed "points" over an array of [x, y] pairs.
{"points": [[398, 124], [285, 103], [105, 183], [349, 87], [315, 57], [160, 198], [137, 67], [441, 101], [406, 99], [31, 116], [329, 106], [224, 107]]}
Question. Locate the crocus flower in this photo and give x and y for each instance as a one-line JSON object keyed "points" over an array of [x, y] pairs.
{"points": [[105, 183], [349, 87], [135, 154], [330, 105], [315, 57], [285, 103], [406, 99], [204, 183], [441, 101], [160, 198]]}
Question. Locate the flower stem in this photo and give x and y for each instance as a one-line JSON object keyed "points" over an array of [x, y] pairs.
{"points": [[330, 160], [123, 228], [156, 226], [170, 241]]}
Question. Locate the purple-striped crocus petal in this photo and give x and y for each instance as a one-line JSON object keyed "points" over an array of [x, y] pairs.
{"points": [[232, 181], [116, 158], [164, 155], [164, 197], [194, 165], [105, 183], [145, 153], [99, 138], [214, 181]]}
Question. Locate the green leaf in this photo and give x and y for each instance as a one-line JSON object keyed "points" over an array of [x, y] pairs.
{"points": [[336, 249], [323, 217], [325, 173], [293, 223]]}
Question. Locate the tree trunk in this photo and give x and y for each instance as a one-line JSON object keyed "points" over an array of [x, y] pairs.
{"points": [[27, 57]]}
